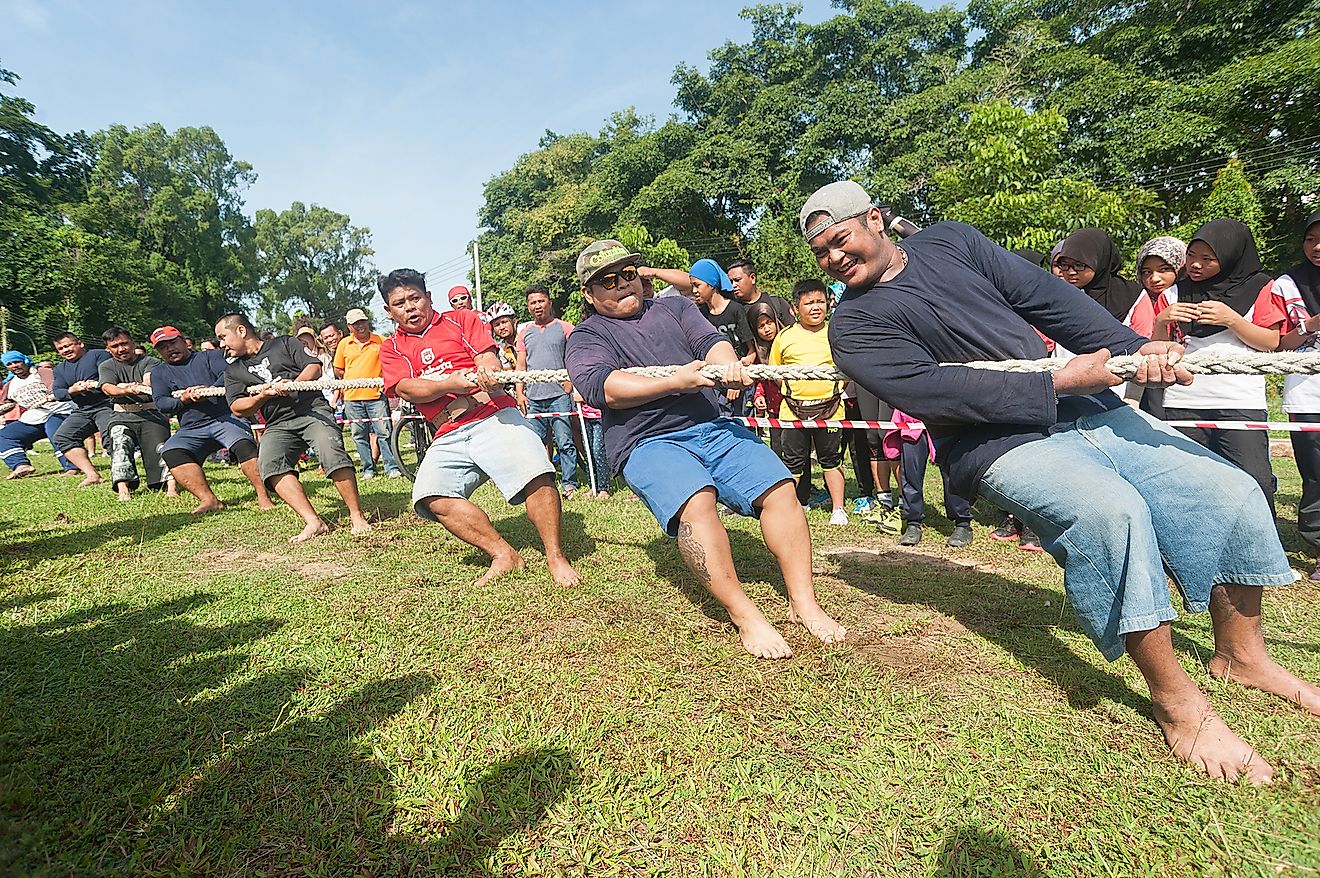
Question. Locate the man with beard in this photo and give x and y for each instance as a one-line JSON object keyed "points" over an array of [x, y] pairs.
{"points": [[205, 422], [76, 381], [1088, 473], [136, 424]]}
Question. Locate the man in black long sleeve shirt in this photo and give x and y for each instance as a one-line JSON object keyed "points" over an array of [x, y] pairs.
{"points": [[1115, 496], [76, 380]]}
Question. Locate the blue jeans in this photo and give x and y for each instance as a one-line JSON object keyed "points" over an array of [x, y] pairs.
{"points": [[371, 408], [16, 438], [1117, 499], [563, 433], [595, 436]]}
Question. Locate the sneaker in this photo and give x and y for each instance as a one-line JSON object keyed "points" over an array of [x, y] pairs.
{"points": [[1009, 529], [961, 537], [887, 521], [839, 518], [395, 474], [819, 500], [1029, 542], [1315, 574], [863, 505], [366, 477], [911, 535], [886, 500]]}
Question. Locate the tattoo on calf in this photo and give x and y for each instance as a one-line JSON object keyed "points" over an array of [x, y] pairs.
{"points": [[694, 554]]}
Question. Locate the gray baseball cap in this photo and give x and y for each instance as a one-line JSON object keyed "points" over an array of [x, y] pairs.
{"points": [[601, 255], [838, 201]]}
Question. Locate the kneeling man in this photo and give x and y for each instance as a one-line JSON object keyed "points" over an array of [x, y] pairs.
{"points": [[666, 438], [443, 364], [205, 422]]}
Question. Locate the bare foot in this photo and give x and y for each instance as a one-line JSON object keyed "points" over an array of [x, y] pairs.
{"points": [[361, 525], [500, 565], [124, 494], [312, 530], [265, 506], [70, 472], [1267, 676], [564, 574], [815, 620], [761, 639], [203, 508], [1197, 735], [88, 481], [22, 471]]}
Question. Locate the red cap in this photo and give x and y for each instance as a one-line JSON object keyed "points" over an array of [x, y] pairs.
{"points": [[459, 291], [165, 333]]}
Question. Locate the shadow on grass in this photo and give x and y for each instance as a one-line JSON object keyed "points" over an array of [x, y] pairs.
{"points": [[1009, 614], [518, 529], [976, 852], [75, 541]]}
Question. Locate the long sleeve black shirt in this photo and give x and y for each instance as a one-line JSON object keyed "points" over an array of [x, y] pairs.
{"points": [[961, 298]]}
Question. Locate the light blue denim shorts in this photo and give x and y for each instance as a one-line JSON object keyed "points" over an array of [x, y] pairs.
{"points": [[1124, 503]]}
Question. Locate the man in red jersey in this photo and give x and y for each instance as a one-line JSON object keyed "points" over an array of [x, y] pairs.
{"points": [[444, 364]]}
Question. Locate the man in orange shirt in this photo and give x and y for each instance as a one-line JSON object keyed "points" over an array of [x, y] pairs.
{"points": [[365, 408]]}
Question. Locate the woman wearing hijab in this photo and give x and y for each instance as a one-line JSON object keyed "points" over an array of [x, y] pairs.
{"points": [[1300, 290], [1088, 260], [40, 414], [1226, 304]]}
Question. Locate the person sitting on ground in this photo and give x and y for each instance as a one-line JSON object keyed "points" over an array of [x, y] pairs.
{"points": [[1062, 452], [665, 437], [40, 414], [365, 408], [76, 381], [135, 425], [806, 343], [742, 274], [206, 424], [295, 419], [442, 363], [1300, 289], [1226, 304], [540, 345]]}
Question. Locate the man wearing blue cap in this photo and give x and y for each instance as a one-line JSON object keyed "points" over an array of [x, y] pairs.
{"points": [[667, 440]]}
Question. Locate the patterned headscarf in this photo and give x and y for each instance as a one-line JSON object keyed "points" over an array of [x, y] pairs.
{"points": [[1172, 250]]}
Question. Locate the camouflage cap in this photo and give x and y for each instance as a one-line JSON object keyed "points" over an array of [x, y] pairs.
{"points": [[601, 255]]}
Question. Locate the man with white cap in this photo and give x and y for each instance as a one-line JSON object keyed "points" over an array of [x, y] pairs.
{"points": [[666, 438], [365, 408], [1059, 450]]}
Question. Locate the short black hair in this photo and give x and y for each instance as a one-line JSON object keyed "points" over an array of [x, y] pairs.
{"points": [[537, 288], [329, 324], [115, 332], [802, 287], [400, 277], [61, 336], [234, 318], [745, 264]]}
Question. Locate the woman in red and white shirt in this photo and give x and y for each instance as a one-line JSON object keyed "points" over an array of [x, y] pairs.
{"points": [[1226, 304]]}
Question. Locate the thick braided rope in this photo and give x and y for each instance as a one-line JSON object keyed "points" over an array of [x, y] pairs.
{"points": [[1200, 363]]}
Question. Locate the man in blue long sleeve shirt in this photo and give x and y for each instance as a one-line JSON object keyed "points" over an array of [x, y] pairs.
{"points": [[1114, 495], [205, 422], [76, 380], [665, 436]]}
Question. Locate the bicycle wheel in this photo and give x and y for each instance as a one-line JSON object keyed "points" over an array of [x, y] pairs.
{"points": [[409, 439]]}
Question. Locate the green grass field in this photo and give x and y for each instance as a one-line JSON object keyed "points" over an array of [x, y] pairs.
{"points": [[196, 697]]}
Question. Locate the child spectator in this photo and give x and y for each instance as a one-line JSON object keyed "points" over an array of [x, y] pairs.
{"points": [[1226, 304], [912, 446], [807, 344], [1159, 263]]}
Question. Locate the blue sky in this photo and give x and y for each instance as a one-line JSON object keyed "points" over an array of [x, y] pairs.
{"points": [[395, 116]]}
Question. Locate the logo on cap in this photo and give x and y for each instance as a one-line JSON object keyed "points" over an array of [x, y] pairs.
{"points": [[607, 255]]}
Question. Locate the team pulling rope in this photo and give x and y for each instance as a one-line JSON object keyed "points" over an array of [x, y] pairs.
{"points": [[1199, 363]]}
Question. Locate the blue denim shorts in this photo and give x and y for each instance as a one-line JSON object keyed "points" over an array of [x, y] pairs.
{"points": [[1124, 503], [501, 447], [666, 471]]}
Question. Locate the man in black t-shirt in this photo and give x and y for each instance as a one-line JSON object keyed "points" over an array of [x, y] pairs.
{"points": [[710, 290], [294, 420], [78, 379], [135, 425]]}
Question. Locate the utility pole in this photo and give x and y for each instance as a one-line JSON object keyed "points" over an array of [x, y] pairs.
{"points": [[476, 274], [4, 328]]}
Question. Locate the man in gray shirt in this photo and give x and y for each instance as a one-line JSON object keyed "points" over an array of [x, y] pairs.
{"points": [[136, 425], [541, 345]]}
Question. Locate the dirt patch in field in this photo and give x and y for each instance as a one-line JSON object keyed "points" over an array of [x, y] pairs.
{"points": [[242, 559], [900, 557]]}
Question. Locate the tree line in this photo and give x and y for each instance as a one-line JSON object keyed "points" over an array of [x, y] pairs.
{"points": [[1026, 118], [143, 226]]}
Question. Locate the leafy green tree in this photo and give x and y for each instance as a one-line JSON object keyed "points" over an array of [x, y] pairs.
{"points": [[311, 259]]}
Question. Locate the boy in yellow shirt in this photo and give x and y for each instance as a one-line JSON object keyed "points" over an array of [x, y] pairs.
{"points": [[807, 343]]}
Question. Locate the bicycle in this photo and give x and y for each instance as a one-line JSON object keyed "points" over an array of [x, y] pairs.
{"points": [[411, 435]]}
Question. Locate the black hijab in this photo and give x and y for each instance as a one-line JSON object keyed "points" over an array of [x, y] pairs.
{"points": [[1094, 247], [1240, 277], [1035, 257], [1306, 275]]}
